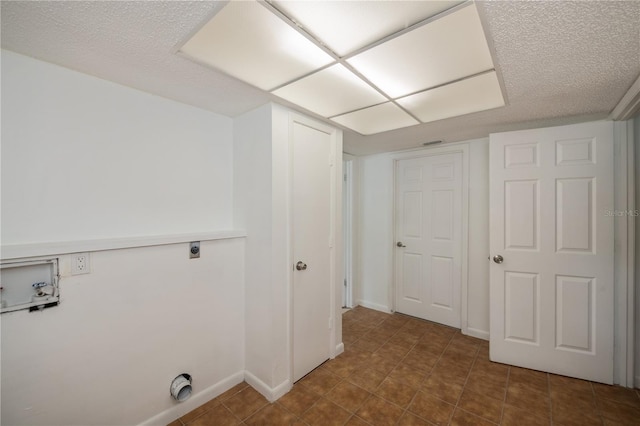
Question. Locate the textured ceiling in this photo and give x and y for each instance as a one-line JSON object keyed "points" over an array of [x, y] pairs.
{"points": [[560, 61], [129, 42]]}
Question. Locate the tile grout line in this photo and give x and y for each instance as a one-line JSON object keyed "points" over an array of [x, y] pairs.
{"points": [[595, 400], [504, 397], [344, 378], [206, 411], [406, 410], [427, 378], [396, 364], [292, 413], [234, 414], [466, 380], [371, 393]]}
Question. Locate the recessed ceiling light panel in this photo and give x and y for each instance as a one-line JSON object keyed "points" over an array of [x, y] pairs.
{"points": [[249, 42], [474, 94], [345, 26], [441, 51], [332, 91], [379, 118], [426, 70]]}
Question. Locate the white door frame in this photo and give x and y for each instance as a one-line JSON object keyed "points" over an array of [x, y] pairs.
{"points": [[624, 256], [348, 229], [450, 148], [335, 239]]}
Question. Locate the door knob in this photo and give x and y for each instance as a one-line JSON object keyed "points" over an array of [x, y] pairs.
{"points": [[301, 266], [400, 244], [498, 259]]}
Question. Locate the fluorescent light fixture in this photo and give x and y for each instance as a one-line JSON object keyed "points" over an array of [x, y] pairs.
{"points": [[251, 43], [441, 51], [474, 94], [332, 91], [379, 118], [353, 62], [345, 26]]}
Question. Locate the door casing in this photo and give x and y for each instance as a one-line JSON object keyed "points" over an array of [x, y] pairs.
{"points": [[348, 230]]}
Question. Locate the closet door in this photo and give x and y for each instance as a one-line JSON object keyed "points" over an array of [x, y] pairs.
{"points": [[312, 151]]}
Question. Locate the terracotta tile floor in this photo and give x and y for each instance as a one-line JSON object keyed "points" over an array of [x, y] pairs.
{"points": [[398, 370]]}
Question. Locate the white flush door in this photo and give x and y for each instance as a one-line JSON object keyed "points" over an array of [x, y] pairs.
{"points": [[311, 217], [552, 286], [429, 237]]}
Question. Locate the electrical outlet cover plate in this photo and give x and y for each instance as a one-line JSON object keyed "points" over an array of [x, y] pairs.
{"points": [[80, 264]]}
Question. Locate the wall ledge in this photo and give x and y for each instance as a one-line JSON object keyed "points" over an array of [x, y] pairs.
{"points": [[19, 251]]}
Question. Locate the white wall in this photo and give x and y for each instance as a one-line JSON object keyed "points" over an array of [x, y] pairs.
{"points": [[262, 206], [281, 295], [376, 234], [108, 353], [261, 182], [85, 158], [478, 279], [253, 211], [375, 220]]}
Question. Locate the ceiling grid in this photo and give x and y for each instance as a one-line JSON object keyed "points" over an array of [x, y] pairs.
{"points": [[427, 46]]}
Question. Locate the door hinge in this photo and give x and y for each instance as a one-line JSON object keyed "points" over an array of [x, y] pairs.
{"points": [[345, 282], [330, 323]]}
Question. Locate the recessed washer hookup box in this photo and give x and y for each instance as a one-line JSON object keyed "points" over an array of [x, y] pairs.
{"points": [[29, 285]]}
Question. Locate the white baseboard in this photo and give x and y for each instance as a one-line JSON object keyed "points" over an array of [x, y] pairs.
{"points": [[272, 394], [182, 408], [374, 306], [280, 390], [474, 332], [258, 385], [339, 349]]}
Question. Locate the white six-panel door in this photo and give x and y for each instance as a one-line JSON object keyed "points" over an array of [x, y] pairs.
{"points": [[428, 237], [552, 294]]}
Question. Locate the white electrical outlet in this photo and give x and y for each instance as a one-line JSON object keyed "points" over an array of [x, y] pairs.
{"points": [[80, 264]]}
